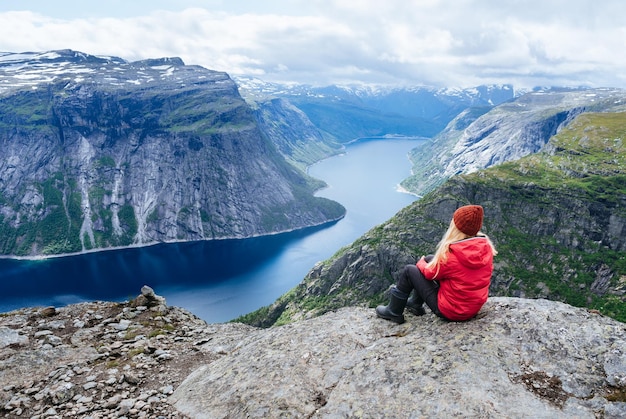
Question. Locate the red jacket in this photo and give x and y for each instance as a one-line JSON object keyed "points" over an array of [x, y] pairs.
{"points": [[463, 279]]}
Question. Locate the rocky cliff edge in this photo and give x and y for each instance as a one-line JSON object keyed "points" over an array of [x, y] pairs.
{"points": [[518, 358]]}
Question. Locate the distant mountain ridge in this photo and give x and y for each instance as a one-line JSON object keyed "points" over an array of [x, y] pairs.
{"points": [[351, 112]]}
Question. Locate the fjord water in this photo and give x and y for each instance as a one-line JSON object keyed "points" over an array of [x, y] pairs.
{"points": [[220, 280]]}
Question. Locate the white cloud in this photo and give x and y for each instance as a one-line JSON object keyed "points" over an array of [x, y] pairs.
{"points": [[464, 42]]}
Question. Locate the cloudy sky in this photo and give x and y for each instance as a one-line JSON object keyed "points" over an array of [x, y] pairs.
{"points": [[460, 43]]}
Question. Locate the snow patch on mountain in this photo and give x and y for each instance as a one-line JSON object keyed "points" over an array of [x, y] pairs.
{"points": [[34, 69]]}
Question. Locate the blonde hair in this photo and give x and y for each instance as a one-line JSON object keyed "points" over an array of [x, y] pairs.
{"points": [[452, 235]]}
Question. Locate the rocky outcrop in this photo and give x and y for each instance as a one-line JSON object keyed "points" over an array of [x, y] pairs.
{"points": [[144, 359], [98, 152], [104, 359], [517, 359]]}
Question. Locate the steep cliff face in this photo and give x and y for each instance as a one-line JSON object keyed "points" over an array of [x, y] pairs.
{"points": [[558, 219], [480, 137], [100, 152], [293, 134]]}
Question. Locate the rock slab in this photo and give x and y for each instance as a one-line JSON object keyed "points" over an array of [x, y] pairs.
{"points": [[518, 359]]}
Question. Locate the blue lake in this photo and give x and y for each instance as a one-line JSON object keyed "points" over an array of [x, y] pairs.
{"points": [[220, 280]]}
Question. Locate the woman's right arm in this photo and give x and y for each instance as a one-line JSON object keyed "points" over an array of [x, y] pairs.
{"points": [[429, 273]]}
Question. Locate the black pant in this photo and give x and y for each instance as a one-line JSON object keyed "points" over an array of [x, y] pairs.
{"points": [[426, 291]]}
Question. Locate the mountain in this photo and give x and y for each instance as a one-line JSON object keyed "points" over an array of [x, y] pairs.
{"points": [[347, 113], [557, 217], [97, 152], [141, 358], [299, 141], [481, 137]]}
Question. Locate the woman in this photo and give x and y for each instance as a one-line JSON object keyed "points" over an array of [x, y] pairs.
{"points": [[454, 283]]}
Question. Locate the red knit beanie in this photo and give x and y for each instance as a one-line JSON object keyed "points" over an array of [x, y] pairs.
{"points": [[469, 219]]}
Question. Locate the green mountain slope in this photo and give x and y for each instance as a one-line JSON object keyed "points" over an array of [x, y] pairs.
{"points": [[479, 138], [558, 218]]}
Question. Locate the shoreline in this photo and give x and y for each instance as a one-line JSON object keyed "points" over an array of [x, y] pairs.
{"points": [[401, 189], [36, 258], [388, 137]]}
